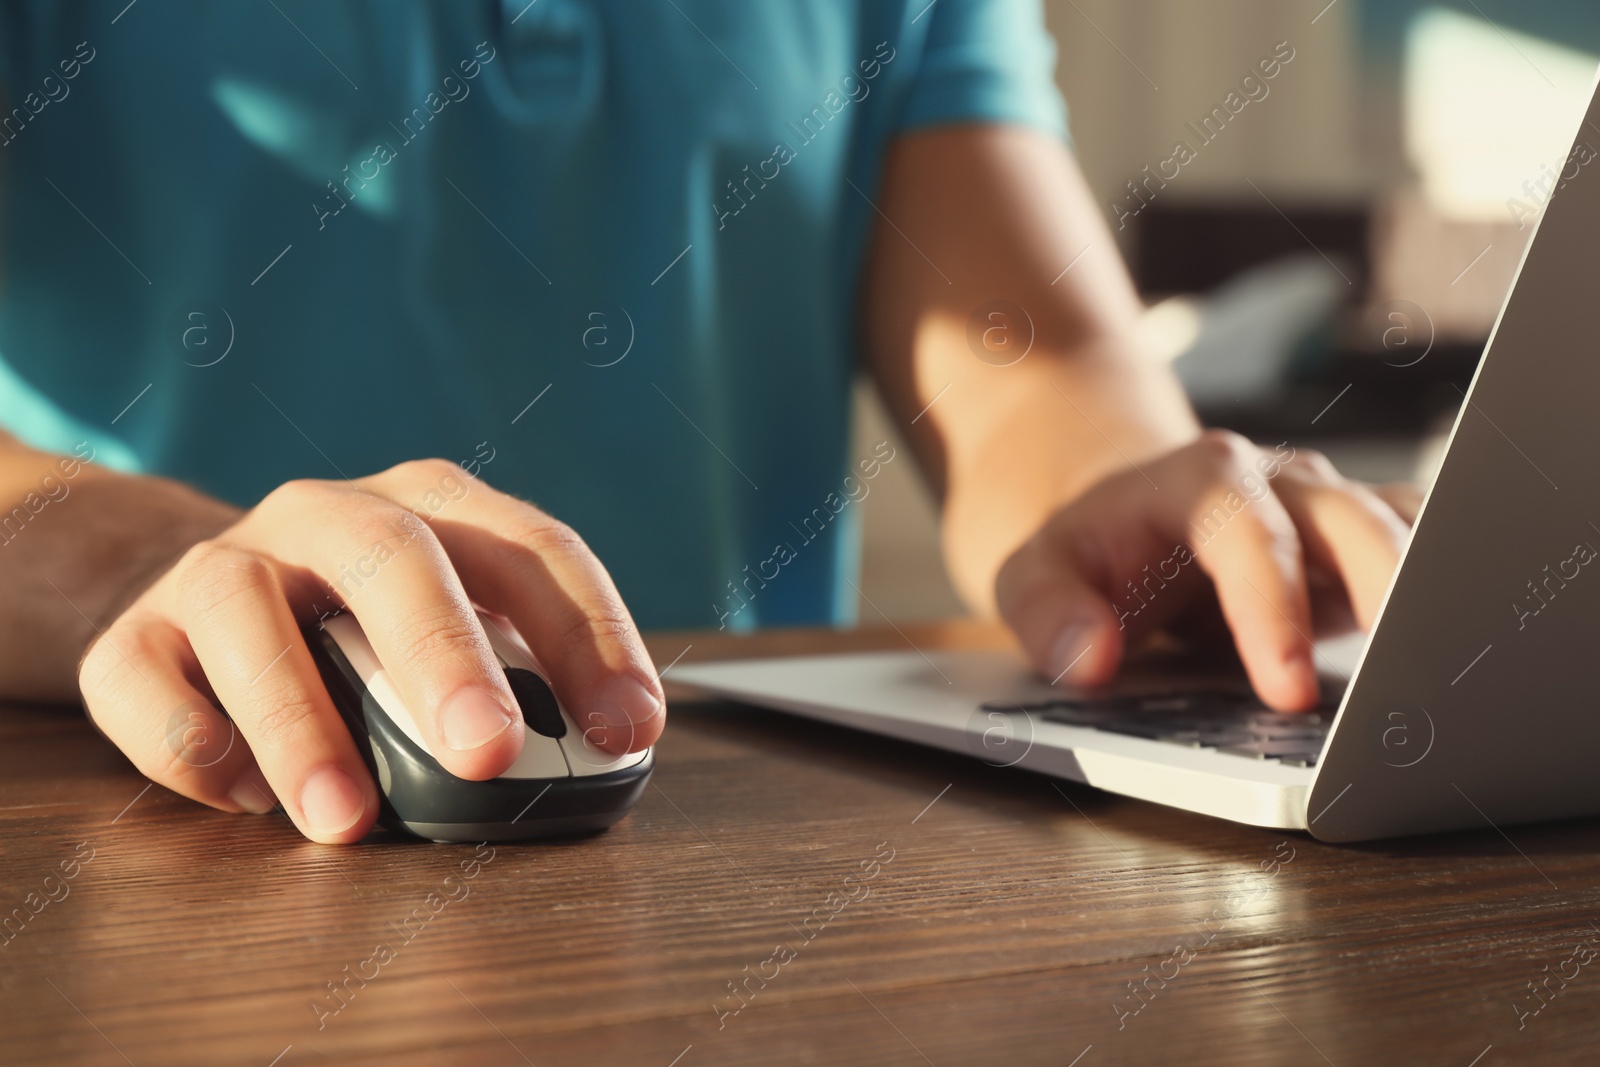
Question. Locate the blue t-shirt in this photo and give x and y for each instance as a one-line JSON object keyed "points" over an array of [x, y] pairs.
{"points": [[603, 252]]}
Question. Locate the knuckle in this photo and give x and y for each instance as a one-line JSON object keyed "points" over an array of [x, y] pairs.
{"points": [[194, 740], [108, 665], [164, 764], [297, 495], [426, 486], [535, 541], [429, 471], [371, 536], [606, 623], [1226, 457], [210, 575], [436, 632], [1223, 448], [381, 522], [551, 537], [1315, 463], [281, 714]]}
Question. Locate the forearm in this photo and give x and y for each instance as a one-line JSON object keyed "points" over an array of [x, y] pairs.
{"points": [[1003, 331], [76, 542]]}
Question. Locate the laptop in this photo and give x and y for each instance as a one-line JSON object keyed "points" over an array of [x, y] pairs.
{"points": [[1473, 702]]}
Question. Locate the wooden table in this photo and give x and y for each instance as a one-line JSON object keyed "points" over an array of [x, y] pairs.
{"points": [[874, 903]]}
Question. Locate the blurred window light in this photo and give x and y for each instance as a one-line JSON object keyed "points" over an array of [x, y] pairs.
{"points": [[1490, 114], [1169, 328]]}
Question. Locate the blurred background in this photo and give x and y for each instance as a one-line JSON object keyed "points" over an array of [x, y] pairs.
{"points": [[1326, 266]]}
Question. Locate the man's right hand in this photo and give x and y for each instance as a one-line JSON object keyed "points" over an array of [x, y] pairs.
{"points": [[409, 552]]}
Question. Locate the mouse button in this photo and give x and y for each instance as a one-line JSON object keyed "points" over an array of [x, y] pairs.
{"points": [[382, 689], [348, 635], [586, 759], [357, 650], [541, 757], [506, 648], [381, 762], [539, 708], [340, 679]]}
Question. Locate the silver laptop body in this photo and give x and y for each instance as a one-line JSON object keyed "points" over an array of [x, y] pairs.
{"points": [[1476, 698]]}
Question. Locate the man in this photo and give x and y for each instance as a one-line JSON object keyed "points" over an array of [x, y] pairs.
{"points": [[618, 258]]}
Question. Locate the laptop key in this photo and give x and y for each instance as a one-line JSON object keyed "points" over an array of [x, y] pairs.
{"points": [[1217, 738], [1315, 735], [1159, 704], [1269, 749], [1212, 738], [1285, 718], [1077, 716], [1235, 723], [1049, 709], [1015, 707], [1152, 731]]}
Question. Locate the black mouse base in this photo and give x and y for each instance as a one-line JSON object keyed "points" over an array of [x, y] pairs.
{"points": [[449, 833]]}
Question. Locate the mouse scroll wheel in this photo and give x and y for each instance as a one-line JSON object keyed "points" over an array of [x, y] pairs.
{"points": [[539, 708]]}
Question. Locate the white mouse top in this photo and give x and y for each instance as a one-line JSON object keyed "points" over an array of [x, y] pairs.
{"points": [[541, 756]]}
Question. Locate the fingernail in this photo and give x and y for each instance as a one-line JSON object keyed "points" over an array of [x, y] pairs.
{"points": [[252, 793], [472, 717], [624, 703], [330, 801], [1069, 649]]}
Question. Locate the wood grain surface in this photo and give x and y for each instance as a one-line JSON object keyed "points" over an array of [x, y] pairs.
{"points": [[871, 902]]}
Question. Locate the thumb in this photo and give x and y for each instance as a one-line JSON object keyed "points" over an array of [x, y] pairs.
{"points": [[1070, 632]]}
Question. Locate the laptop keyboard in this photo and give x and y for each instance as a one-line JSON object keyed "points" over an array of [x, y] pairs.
{"points": [[1234, 723]]}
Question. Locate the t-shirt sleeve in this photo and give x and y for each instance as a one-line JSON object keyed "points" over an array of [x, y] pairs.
{"points": [[986, 60]]}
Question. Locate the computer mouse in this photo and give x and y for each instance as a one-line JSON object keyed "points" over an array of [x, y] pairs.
{"points": [[560, 784]]}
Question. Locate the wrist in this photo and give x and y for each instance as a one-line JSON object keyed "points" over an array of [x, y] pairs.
{"points": [[81, 562], [174, 518], [1056, 430]]}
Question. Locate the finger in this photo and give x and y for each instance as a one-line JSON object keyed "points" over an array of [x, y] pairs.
{"points": [[135, 685], [541, 576], [390, 570], [1404, 497], [1331, 611], [1253, 555], [520, 563], [1354, 532], [230, 604], [1068, 629]]}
